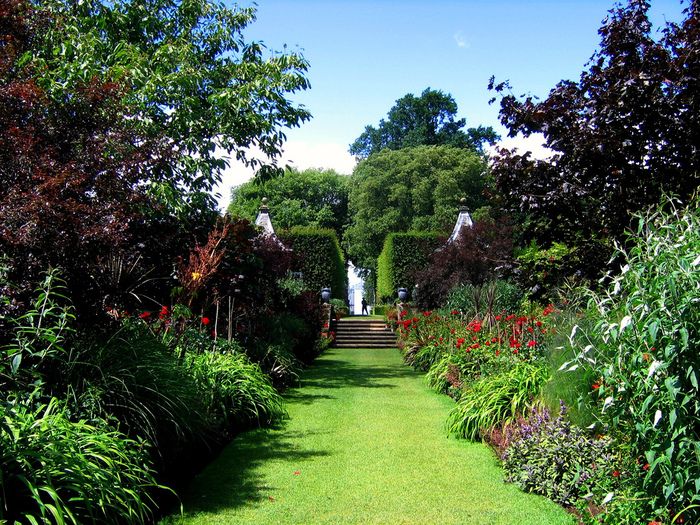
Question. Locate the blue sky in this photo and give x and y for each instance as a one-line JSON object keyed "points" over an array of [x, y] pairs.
{"points": [[364, 55]]}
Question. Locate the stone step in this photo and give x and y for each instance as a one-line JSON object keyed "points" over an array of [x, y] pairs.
{"points": [[362, 333]]}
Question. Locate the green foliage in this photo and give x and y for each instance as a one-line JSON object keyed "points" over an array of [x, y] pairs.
{"points": [[428, 120], [291, 284], [410, 190], [137, 380], [643, 355], [322, 261], [496, 399], [280, 344], [311, 198], [472, 301], [53, 470], [40, 333], [191, 78], [235, 389], [402, 256], [559, 460]]}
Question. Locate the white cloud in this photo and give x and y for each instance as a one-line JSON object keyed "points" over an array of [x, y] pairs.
{"points": [[534, 143], [298, 154], [460, 40]]}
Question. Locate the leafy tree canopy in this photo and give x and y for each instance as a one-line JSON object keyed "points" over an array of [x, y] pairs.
{"points": [[625, 133], [189, 75], [428, 120], [72, 175], [413, 189], [310, 198]]}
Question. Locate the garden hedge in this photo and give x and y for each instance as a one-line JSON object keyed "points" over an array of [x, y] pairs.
{"points": [[402, 255], [322, 261]]}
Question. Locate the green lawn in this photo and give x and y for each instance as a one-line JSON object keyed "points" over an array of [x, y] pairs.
{"points": [[365, 443]]}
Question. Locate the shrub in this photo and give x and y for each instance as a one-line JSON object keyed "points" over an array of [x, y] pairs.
{"points": [[556, 459], [496, 399], [644, 358], [479, 255], [53, 470]]}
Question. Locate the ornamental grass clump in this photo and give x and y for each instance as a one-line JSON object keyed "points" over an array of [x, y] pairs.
{"points": [[137, 380], [496, 399], [235, 390], [643, 354]]}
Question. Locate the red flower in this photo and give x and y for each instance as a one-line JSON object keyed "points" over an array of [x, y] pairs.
{"points": [[498, 318], [455, 312], [205, 321], [531, 344], [146, 315], [497, 352], [616, 473], [595, 386]]}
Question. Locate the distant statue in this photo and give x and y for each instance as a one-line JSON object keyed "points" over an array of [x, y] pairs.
{"points": [[364, 306]]}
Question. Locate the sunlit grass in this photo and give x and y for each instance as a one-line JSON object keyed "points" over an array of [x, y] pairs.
{"points": [[365, 443]]}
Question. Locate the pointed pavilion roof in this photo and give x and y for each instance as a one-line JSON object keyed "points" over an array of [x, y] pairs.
{"points": [[463, 220], [263, 220]]}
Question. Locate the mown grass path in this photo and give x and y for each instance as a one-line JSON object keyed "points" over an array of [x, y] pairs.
{"points": [[364, 443]]}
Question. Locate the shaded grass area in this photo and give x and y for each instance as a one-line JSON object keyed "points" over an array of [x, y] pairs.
{"points": [[365, 444]]}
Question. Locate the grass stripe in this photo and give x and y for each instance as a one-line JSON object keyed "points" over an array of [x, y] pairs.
{"points": [[365, 444]]}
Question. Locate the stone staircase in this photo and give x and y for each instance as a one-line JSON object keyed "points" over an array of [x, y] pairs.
{"points": [[362, 332]]}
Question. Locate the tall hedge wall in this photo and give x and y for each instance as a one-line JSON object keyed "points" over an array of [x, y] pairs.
{"points": [[322, 261], [404, 253]]}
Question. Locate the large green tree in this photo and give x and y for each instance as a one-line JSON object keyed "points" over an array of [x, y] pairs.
{"points": [[428, 120], [190, 76], [413, 189], [310, 198], [625, 133]]}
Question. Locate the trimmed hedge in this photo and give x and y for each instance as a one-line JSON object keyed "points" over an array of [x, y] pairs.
{"points": [[402, 256], [322, 261]]}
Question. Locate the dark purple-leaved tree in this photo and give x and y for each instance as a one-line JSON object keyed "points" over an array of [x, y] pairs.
{"points": [[627, 132], [72, 174]]}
